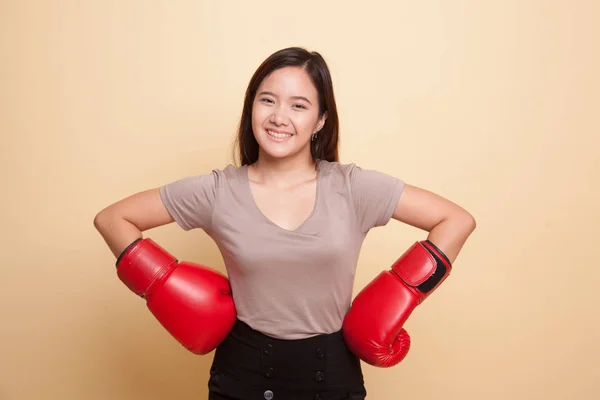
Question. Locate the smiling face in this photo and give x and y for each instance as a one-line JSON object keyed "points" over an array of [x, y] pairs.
{"points": [[285, 114]]}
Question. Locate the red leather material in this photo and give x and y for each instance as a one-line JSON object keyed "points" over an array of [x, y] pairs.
{"points": [[142, 264], [192, 302], [415, 266], [195, 306], [374, 326]]}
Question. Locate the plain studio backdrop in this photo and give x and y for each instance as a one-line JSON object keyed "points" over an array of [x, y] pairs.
{"points": [[492, 104]]}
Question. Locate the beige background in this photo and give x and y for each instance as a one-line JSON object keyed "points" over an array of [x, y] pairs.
{"points": [[492, 104]]}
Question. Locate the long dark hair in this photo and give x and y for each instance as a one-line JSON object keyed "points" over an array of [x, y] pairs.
{"points": [[325, 145]]}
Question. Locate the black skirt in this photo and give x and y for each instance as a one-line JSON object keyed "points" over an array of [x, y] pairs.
{"points": [[249, 365]]}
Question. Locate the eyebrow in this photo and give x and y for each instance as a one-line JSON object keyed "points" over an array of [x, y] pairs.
{"points": [[293, 97]]}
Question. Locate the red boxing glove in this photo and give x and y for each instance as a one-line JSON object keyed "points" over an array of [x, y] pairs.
{"points": [[373, 327], [192, 302]]}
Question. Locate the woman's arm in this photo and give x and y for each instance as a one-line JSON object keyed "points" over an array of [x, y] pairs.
{"points": [[124, 221], [448, 224]]}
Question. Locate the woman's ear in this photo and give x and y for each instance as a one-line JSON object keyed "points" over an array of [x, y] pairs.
{"points": [[321, 122]]}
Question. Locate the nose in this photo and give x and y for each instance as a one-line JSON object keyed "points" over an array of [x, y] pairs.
{"points": [[279, 117]]}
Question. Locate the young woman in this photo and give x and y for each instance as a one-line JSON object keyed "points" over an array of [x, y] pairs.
{"points": [[289, 221]]}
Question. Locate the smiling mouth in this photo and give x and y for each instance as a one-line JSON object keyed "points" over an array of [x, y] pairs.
{"points": [[278, 135]]}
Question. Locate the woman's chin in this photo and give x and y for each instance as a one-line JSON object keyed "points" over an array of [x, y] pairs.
{"points": [[278, 153]]}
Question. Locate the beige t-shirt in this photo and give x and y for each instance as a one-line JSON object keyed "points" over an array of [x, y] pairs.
{"points": [[288, 284]]}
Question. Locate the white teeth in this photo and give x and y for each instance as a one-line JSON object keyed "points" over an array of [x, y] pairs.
{"points": [[279, 135]]}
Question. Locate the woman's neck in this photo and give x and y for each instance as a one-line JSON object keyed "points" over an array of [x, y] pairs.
{"points": [[283, 172]]}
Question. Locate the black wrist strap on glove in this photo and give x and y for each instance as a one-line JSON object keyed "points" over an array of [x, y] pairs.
{"points": [[440, 272]]}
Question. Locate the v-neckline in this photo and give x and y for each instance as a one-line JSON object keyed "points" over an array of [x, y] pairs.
{"points": [[254, 205]]}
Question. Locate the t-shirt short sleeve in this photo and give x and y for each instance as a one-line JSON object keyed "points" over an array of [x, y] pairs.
{"points": [[375, 195], [190, 200]]}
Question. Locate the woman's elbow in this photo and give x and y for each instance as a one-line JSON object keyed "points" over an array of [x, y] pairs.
{"points": [[471, 221], [103, 220], [467, 222]]}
